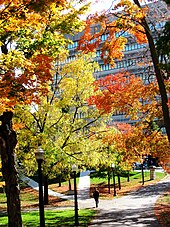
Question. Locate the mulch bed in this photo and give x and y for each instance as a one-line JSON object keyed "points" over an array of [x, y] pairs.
{"points": [[104, 191], [162, 211], [53, 201]]}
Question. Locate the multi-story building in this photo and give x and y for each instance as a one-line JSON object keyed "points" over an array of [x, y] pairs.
{"points": [[136, 58]]}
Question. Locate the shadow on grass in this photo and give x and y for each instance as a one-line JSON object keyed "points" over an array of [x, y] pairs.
{"points": [[53, 218]]}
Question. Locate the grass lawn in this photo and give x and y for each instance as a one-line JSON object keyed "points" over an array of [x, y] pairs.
{"points": [[135, 178], [53, 218], [134, 183]]}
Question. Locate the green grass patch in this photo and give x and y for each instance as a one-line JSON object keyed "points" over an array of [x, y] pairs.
{"points": [[135, 178], [54, 218]]}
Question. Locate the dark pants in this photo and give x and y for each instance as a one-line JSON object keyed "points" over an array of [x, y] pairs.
{"points": [[97, 202]]}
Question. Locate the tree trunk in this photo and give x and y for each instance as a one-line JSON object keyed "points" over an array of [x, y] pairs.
{"points": [[158, 74], [128, 176], [69, 184], [118, 178], [143, 179], [59, 183], [108, 181], [46, 190], [8, 142]]}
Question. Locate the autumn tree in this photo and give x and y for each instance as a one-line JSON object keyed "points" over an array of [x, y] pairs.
{"points": [[138, 143], [138, 101], [31, 36], [62, 121], [131, 17]]}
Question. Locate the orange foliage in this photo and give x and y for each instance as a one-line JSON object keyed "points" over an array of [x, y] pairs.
{"points": [[124, 128], [126, 93], [90, 42], [120, 92], [112, 49], [132, 143], [23, 78], [128, 20], [26, 86]]}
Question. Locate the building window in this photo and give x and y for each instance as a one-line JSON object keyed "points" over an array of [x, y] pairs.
{"points": [[73, 45]]}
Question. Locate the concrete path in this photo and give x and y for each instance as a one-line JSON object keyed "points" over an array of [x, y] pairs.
{"points": [[35, 185], [133, 210], [84, 185]]}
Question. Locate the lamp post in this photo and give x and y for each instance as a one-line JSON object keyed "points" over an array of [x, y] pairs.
{"points": [[74, 169], [143, 178], [114, 185], [118, 178], [40, 157]]}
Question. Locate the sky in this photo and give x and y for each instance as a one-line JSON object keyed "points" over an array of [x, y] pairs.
{"points": [[106, 4], [101, 5]]}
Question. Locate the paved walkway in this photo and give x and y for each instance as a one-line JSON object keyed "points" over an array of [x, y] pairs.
{"points": [[35, 186], [133, 210], [83, 187]]}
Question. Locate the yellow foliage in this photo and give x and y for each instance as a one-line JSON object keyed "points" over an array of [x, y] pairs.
{"points": [[2, 184]]}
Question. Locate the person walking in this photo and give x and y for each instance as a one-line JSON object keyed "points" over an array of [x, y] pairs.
{"points": [[96, 196]]}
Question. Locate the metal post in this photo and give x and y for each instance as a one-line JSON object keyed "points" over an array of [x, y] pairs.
{"points": [[143, 180], [114, 184], [128, 176], [75, 201], [118, 177], [41, 199]]}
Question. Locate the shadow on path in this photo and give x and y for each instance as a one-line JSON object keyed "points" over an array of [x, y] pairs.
{"points": [[133, 210], [128, 217]]}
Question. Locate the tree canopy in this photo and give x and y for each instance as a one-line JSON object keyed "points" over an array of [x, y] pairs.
{"points": [[127, 17], [32, 35]]}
